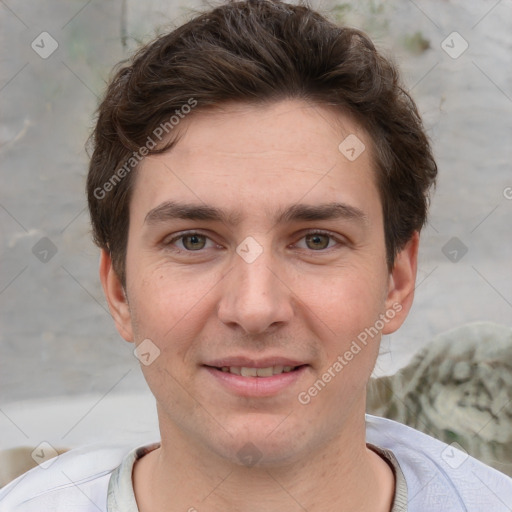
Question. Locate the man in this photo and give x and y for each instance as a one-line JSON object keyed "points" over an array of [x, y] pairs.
{"points": [[257, 187]]}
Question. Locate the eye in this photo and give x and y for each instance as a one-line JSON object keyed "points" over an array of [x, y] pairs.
{"points": [[319, 240], [191, 242]]}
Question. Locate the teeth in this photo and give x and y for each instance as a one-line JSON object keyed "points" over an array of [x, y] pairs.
{"points": [[248, 372], [264, 372], [257, 372]]}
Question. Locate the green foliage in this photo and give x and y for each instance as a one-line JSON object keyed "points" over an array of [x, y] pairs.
{"points": [[340, 11], [416, 43]]}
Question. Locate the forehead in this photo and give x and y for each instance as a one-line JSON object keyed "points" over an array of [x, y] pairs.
{"points": [[262, 131], [248, 155]]}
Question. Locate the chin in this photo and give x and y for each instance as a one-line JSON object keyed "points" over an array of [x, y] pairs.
{"points": [[261, 440]]}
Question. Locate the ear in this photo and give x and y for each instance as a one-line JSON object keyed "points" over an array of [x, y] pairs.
{"points": [[402, 281], [116, 297]]}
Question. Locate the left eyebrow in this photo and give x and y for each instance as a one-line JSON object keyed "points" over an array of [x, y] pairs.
{"points": [[328, 211], [170, 210]]}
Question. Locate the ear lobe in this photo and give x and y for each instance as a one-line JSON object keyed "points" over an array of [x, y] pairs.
{"points": [[116, 298], [402, 281]]}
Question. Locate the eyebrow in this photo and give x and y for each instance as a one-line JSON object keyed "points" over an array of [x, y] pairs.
{"points": [[171, 210]]}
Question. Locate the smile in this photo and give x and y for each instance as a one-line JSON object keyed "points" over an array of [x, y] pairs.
{"points": [[245, 371], [262, 381]]}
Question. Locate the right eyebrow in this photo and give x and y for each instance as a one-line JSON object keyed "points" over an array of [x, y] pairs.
{"points": [[170, 210]]}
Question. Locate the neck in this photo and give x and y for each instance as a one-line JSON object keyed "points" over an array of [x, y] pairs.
{"points": [[343, 474]]}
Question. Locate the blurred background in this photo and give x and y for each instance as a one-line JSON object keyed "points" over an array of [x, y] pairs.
{"points": [[66, 376]]}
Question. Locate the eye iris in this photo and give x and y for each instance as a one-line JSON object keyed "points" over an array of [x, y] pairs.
{"points": [[315, 237], [194, 239]]}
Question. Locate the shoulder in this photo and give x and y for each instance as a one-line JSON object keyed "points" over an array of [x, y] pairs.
{"points": [[440, 476], [75, 480]]}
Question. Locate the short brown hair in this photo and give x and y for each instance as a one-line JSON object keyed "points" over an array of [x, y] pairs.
{"points": [[257, 52]]}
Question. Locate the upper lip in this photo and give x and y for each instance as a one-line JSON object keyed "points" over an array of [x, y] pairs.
{"points": [[251, 362]]}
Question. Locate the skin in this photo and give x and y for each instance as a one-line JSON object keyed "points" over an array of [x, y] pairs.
{"points": [[303, 298]]}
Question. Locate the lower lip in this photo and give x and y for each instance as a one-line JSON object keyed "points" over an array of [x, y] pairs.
{"points": [[256, 386]]}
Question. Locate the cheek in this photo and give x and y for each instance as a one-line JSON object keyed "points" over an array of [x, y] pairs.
{"points": [[347, 301], [170, 307], [346, 313], [350, 307]]}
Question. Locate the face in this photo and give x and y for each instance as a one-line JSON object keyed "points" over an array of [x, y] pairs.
{"points": [[256, 245]]}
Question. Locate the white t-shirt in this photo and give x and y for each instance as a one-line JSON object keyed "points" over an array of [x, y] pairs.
{"points": [[431, 476]]}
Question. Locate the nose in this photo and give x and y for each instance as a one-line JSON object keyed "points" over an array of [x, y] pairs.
{"points": [[255, 297]]}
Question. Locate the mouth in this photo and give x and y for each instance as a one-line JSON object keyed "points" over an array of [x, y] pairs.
{"points": [[247, 371], [259, 380]]}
